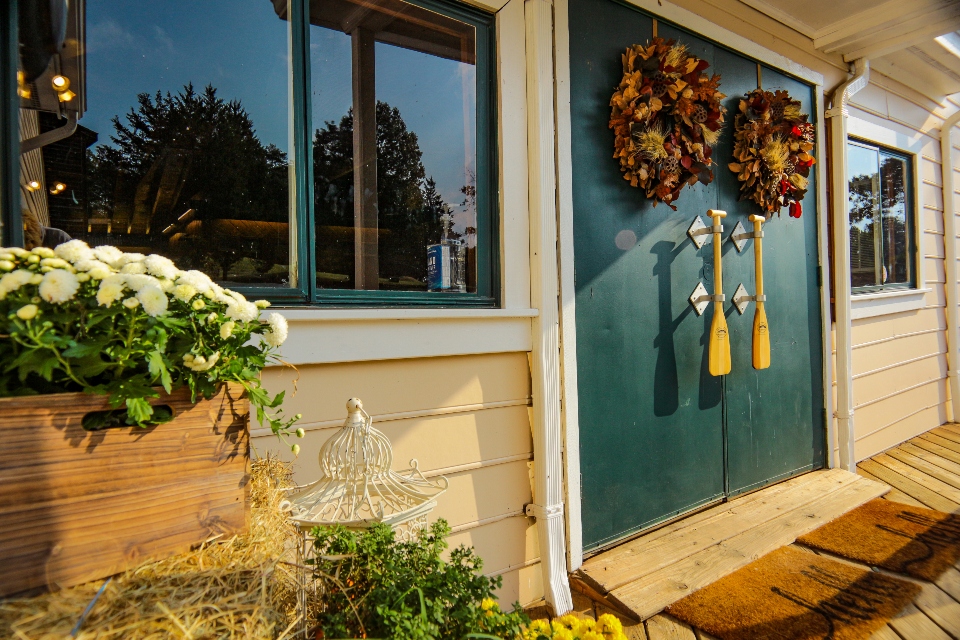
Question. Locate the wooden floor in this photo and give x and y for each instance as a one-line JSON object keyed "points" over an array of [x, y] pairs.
{"points": [[638, 579]]}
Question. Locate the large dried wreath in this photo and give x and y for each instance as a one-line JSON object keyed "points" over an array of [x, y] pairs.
{"points": [[772, 144], [666, 115]]}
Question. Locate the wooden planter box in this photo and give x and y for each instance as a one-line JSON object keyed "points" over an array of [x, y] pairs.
{"points": [[79, 505]]}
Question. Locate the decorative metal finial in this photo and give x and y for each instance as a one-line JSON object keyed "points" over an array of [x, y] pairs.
{"points": [[358, 486]]}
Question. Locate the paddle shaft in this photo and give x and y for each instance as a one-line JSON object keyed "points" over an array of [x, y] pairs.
{"points": [[719, 346], [761, 329]]}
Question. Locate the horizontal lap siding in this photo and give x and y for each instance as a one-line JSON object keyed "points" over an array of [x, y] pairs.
{"points": [[466, 417], [899, 360]]}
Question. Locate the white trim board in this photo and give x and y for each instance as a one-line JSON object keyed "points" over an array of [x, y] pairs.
{"points": [[397, 334], [871, 305], [868, 305], [568, 341]]}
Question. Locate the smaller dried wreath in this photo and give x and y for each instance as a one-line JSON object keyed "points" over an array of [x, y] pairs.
{"points": [[666, 115], [772, 144]]}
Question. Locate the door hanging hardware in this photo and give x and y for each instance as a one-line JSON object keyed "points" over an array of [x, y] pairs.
{"points": [[761, 330], [718, 356], [699, 232], [700, 299], [742, 299], [740, 236]]}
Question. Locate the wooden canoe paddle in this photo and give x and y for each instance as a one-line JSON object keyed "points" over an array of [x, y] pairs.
{"points": [[761, 330], [719, 349]]}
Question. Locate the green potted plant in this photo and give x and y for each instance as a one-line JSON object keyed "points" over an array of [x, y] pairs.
{"points": [[125, 388]]}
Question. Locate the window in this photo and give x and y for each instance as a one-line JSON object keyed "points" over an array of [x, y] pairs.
{"points": [[326, 151], [882, 245]]}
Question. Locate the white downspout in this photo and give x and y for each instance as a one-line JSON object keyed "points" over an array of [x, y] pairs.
{"points": [[839, 191], [950, 259], [547, 506]]}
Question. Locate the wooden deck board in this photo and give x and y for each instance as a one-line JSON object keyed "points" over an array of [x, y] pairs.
{"points": [[689, 554], [642, 557], [655, 591]]}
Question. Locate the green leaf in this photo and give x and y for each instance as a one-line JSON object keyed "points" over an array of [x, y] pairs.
{"points": [[139, 410], [158, 369], [84, 349]]}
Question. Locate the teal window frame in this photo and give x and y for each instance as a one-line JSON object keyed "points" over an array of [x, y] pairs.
{"points": [[307, 293], [911, 226]]}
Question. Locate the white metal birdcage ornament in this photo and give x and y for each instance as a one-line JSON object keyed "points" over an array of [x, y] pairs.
{"points": [[359, 487]]}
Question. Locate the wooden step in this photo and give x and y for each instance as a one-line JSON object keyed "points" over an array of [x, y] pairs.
{"points": [[649, 573]]}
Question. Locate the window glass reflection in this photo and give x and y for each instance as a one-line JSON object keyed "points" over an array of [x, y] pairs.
{"points": [[880, 234], [182, 143], [394, 113]]}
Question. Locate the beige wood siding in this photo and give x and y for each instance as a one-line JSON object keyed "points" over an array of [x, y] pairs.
{"points": [[465, 417]]}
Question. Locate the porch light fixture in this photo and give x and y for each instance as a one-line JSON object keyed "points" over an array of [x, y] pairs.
{"points": [[60, 83], [33, 185], [66, 96], [58, 188]]}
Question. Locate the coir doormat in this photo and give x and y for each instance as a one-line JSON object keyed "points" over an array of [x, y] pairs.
{"points": [[911, 540], [792, 594]]}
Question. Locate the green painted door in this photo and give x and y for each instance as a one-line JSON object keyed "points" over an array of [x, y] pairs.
{"points": [[659, 436]]}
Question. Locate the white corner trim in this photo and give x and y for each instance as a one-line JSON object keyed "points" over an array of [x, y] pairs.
{"points": [[544, 280], [322, 336], [744, 46], [568, 311], [871, 305]]}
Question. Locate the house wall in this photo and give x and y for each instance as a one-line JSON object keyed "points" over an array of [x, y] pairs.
{"points": [[462, 417]]}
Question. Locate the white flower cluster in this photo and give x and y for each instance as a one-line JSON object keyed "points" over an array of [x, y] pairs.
{"points": [[133, 280]]}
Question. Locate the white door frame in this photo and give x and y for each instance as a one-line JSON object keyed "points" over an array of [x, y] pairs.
{"points": [[568, 345]]}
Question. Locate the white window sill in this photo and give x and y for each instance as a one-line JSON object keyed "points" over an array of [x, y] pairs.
{"points": [[871, 305], [319, 336]]}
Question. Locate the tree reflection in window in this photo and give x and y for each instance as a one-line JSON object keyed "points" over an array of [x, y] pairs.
{"points": [[879, 210]]}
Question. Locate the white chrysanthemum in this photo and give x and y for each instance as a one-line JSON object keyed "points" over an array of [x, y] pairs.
{"points": [[137, 281], [55, 263], [161, 267], [36, 278], [242, 311], [198, 279], [108, 293], [7, 265], [59, 286], [131, 303], [200, 363], [74, 251], [43, 252], [12, 281], [153, 299], [108, 254], [166, 285], [213, 317], [262, 304], [198, 304], [184, 292], [17, 251], [27, 312], [130, 258], [278, 330], [226, 329], [135, 268], [90, 265]]}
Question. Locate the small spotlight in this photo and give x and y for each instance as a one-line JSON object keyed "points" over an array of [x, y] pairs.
{"points": [[58, 188], [60, 83], [33, 185], [66, 96]]}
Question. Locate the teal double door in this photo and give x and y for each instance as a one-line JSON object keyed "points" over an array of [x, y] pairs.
{"points": [[660, 436]]}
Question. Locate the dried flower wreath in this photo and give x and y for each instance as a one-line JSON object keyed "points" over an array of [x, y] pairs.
{"points": [[666, 115], [772, 144]]}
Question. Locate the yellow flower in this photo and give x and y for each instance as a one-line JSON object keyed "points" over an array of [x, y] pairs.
{"points": [[538, 629], [609, 626]]}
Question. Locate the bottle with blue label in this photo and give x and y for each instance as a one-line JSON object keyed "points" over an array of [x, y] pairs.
{"points": [[447, 261]]}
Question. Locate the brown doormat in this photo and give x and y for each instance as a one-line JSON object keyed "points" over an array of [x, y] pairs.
{"points": [[792, 594], [911, 540]]}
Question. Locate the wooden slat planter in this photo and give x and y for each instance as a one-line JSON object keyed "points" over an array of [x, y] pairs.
{"points": [[77, 505]]}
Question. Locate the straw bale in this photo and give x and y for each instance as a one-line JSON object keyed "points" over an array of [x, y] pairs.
{"points": [[242, 587]]}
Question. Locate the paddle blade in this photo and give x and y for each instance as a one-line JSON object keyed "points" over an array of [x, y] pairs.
{"points": [[719, 353], [761, 338]]}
